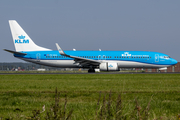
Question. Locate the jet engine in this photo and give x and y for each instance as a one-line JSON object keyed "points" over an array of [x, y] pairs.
{"points": [[108, 66]]}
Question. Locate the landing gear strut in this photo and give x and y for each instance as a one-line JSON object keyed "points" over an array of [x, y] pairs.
{"points": [[91, 71]]}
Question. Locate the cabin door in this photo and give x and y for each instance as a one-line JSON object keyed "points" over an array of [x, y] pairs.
{"points": [[38, 57], [156, 57]]}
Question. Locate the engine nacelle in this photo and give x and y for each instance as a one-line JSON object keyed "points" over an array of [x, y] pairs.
{"points": [[108, 66]]}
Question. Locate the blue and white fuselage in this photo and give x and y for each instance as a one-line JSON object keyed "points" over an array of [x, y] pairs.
{"points": [[124, 59], [27, 50]]}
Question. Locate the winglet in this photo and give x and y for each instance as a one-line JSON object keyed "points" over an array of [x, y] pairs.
{"points": [[60, 50]]}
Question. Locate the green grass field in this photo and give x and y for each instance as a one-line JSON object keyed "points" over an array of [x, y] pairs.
{"points": [[21, 94]]}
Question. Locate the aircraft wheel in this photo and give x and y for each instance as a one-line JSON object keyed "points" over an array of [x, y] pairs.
{"points": [[91, 71]]}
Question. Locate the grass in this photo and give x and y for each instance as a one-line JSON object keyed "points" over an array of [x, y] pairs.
{"points": [[21, 94]]}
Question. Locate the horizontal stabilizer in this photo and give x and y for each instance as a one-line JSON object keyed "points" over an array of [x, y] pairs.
{"points": [[14, 52]]}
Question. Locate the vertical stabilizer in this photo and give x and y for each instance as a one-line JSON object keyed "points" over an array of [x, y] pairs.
{"points": [[22, 41]]}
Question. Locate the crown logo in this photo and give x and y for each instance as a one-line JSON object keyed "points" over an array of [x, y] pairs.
{"points": [[21, 37], [110, 66], [126, 54]]}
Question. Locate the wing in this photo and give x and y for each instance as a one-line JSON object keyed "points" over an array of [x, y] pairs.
{"points": [[79, 60]]}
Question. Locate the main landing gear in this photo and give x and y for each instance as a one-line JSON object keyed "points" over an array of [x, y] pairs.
{"points": [[91, 71]]}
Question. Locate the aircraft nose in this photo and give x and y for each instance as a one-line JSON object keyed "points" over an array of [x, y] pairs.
{"points": [[174, 61]]}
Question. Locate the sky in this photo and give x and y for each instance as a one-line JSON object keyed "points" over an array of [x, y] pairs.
{"points": [[128, 25]]}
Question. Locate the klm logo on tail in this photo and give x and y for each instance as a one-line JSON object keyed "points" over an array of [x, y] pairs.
{"points": [[21, 40]]}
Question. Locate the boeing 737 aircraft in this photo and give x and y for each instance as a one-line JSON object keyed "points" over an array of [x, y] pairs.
{"points": [[27, 50]]}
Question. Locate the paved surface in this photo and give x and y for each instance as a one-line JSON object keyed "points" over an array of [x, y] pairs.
{"points": [[92, 73]]}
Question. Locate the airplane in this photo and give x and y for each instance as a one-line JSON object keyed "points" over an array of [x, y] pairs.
{"points": [[27, 50]]}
